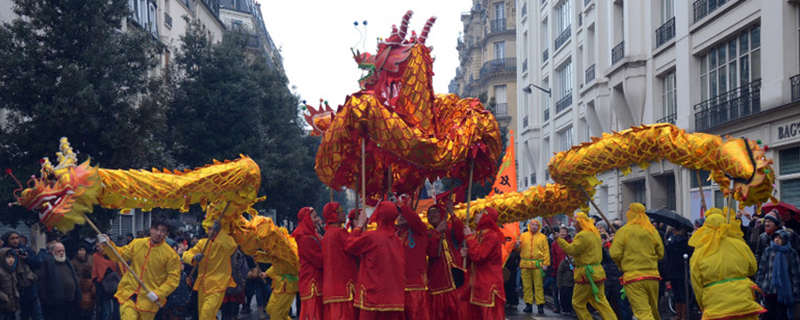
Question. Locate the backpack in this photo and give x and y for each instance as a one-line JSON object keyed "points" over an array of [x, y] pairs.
{"points": [[238, 273]]}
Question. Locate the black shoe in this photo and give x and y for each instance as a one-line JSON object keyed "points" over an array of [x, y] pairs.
{"points": [[541, 308], [528, 308], [246, 311]]}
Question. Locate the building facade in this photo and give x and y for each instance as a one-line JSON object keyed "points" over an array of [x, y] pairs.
{"points": [[720, 67], [487, 53]]}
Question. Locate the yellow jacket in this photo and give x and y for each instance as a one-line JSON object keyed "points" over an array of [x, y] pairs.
{"points": [[158, 266], [637, 251], [214, 271], [721, 281], [587, 253], [534, 251], [284, 276]]}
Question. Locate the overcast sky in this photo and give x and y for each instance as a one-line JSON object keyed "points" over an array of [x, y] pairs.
{"points": [[315, 38]]}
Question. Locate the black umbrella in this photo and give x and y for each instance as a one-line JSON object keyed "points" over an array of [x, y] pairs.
{"points": [[671, 218]]}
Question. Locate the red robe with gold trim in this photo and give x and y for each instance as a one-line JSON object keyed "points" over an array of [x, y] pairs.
{"points": [[414, 237], [309, 250], [340, 270], [487, 294], [443, 253]]}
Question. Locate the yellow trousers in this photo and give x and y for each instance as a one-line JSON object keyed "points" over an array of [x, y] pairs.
{"points": [[643, 296], [279, 305], [127, 311], [583, 294], [532, 277], [208, 304]]}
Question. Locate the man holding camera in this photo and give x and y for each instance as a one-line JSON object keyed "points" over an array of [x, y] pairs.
{"points": [[29, 296]]}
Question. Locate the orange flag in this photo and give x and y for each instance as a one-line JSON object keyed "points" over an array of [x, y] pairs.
{"points": [[506, 181]]}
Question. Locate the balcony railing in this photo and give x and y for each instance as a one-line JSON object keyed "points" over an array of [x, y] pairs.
{"points": [[498, 25], [253, 42], [665, 33], [525, 65], [501, 109], [525, 9], [563, 37], [545, 55], [668, 119], [533, 179], [525, 122], [729, 106], [618, 53], [702, 8], [795, 87], [586, 2], [546, 114], [499, 65], [590, 73], [564, 102], [168, 20]]}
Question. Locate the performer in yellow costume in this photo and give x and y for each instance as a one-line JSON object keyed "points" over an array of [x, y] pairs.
{"points": [[636, 249], [284, 286], [157, 264], [534, 257], [589, 274], [721, 266], [212, 258]]}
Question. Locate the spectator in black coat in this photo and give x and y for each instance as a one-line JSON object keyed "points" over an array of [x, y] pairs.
{"points": [[675, 269], [29, 293], [61, 291]]}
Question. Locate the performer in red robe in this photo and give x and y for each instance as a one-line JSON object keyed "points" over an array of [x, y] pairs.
{"points": [[484, 249], [339, 267], [444, 257], [309, 250], [413, 234], [380, 287]]}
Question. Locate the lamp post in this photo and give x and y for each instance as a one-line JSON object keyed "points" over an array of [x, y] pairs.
{"points": [[528, 90]]}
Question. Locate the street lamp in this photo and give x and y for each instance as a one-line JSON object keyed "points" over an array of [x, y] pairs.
{"points": [[529, 91]]}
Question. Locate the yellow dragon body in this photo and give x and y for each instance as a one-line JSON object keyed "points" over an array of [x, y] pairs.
{"points": [[63, 194]]}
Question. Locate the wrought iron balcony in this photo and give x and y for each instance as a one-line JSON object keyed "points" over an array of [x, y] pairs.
{"points": [[590, 73], [525, 122], [665, 33], [618, 53], [564, 102], [545, 55], [795, 87], [546, 114], [735, 104], [525, 65], [533, 179], [563, 37], [498, 25], [525, 9], [668, 119], [168, 20], [499, 65], [586, 2], [501, 109], [702, 8]]}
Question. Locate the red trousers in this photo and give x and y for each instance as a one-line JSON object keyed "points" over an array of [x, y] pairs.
{"points": [[497, 312], [341, 310], [417, 305], [446, 306], [311, 309], [381, 315]]}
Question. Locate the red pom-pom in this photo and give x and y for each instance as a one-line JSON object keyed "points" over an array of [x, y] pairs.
{"points": [[41, 160], [766, 148], [8, 171]]}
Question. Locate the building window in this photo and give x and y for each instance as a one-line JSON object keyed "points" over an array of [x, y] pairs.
{"points": [[667, 10], [499, 50], [564, 74], [734, 63], [563, 16], [501, 100], [546, 152], [499, 10], [790, 191], [565, 139], [640, 192], [668, 98], [789, 161]]}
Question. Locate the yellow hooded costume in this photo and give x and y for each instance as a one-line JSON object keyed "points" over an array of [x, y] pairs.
{"points": [[721, 266], [590, 276], [213, 272], [284, 285], [636, 249], [534, 254]]}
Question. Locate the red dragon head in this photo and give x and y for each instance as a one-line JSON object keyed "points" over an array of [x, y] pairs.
{"points": [[62, 193], [383, 68]]}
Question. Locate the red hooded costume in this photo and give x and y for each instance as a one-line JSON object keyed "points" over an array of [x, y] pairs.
{"points": [[340, 268], [309, 250], [414, 236], [380, 287], [485, 269], [444, 256]]}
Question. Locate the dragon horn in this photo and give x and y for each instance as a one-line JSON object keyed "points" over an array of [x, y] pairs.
{"points": [[404, 24], [426, 29]]}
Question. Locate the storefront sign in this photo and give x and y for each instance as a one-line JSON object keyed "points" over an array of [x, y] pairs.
{"points": [[788, 131]]}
